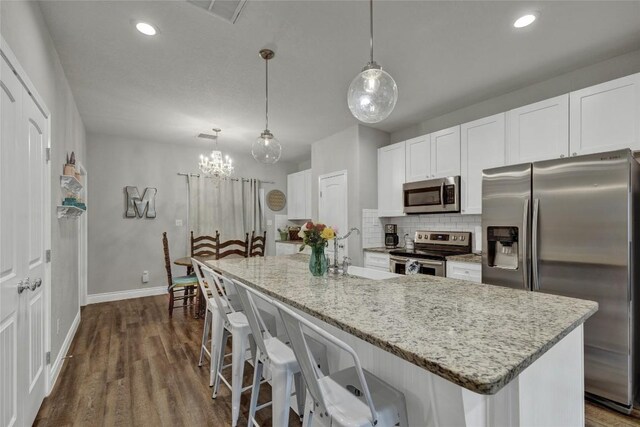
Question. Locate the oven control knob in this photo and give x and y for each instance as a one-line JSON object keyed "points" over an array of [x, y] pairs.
{"points": [[462, 238], [419, 236], [456, 238]]}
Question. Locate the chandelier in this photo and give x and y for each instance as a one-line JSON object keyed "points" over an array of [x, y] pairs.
{"points": [[214, 165]]}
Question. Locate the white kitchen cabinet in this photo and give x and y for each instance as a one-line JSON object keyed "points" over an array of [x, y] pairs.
{"points": [[606, 116], [418, 158], [435, 155], [538, 131], [299, 195], [482, 147], [464, 271], [376, 260], [391, 176], [445, 152]]}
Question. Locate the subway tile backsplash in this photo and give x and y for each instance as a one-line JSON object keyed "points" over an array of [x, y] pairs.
{"points": [[373, 227]]}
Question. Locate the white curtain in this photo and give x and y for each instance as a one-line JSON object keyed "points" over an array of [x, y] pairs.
{"points": [[231, 206]]}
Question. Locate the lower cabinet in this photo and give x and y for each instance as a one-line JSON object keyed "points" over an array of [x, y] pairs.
{"points": [[376, 260], [287, 248], [464, 271]]}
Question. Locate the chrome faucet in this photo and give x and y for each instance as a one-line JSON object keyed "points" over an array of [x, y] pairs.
{"points": [[335, 267]]}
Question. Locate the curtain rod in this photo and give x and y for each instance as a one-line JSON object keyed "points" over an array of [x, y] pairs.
{"points": [[231, 179]]}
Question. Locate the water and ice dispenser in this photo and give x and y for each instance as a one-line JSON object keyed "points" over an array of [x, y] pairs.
{"points": [[503, 247]]}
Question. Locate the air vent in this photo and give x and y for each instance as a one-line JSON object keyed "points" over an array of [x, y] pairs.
{"points": [[229, 10]]}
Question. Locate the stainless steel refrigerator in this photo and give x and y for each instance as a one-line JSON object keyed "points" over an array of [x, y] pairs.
{"points": [[570, 227]]}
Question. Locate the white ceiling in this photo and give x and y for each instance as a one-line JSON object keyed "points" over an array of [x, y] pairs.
{"points": [[202, 72]]}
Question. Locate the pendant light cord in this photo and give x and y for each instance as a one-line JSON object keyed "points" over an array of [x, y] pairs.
{"points": [[266, 85], [371, 26]]}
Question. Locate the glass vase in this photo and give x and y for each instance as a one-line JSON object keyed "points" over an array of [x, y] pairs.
{"points": [[317, 261]]}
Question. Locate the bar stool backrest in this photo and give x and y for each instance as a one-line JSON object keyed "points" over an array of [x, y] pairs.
{"points": [[297, 327], [214, 279], [259, 329], [202, 283]]}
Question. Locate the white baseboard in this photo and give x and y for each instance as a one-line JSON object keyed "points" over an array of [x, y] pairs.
{"points": [[120, 295], [56, 367]]}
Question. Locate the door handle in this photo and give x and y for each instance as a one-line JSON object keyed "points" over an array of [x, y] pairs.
{"points": [[534, 244], [23, 285], [525, 251], [442, 195], [36, 284]]}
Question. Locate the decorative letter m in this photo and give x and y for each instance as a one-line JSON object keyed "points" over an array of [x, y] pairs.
{"points": [[136, 205]]}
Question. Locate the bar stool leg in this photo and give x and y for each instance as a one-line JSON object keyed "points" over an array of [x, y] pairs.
{"points": [[255, 389], [281, 380], [237, 370], [205, 334], [219, 362]]}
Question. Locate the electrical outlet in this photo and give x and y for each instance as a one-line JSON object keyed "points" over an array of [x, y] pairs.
{"points": [[269, 222], [145, 276], [178, 223], [58, 327]]}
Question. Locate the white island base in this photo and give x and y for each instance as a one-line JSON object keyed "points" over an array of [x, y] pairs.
{"points": [[550, 392]]}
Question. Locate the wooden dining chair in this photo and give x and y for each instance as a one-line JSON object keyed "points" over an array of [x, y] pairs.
{"points": [[257, 244], [185, 284], [204, 246], [232, 247]]}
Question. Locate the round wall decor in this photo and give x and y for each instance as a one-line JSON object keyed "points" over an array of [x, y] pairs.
{"points": [[276, 200]]}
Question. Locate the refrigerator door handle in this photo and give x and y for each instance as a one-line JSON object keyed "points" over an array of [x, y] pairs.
{"points": [[525, 233], [534, 244]]}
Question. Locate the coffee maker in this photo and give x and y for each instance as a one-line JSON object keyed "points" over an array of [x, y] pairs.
{"points": [[391, 236]]}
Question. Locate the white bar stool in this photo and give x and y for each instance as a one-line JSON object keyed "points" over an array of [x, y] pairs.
{"points": [[273, 357], [211, 320], [350, 397], [232, 324]]}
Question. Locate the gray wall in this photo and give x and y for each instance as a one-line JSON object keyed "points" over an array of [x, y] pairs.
{"points": [[613, 68], [25, 31], [355, 150], [121, 248]]}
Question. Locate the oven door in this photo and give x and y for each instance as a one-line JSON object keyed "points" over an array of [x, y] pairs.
{"points": [[432, 196], [429, 267]]}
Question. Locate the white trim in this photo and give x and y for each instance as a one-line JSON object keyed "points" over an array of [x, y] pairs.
{"points": [[83, 246], [121, 295], [56, 367]]}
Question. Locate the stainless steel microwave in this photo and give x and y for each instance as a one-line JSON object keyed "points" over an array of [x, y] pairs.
{"points": [[440, 195]]}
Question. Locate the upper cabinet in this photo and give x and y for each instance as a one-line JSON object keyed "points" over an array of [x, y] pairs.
{"points": [[391, 176], [482, 147], [299, 195], [606, 116], [435, 155], [445, 152], [538, 131], [418, 158]]}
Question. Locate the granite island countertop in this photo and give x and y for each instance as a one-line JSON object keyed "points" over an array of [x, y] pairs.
{"points": [[477, 336]]}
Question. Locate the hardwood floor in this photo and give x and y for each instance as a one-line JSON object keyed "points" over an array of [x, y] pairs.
{"points": [[133, 366]]}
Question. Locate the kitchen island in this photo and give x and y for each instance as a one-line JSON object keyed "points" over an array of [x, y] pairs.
{"points": [[463, 353]]}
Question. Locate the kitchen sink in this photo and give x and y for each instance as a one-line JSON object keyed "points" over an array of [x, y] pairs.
{"points": [[370, 273]]}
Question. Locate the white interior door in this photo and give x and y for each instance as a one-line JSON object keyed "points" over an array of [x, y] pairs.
{"points": [[332, 206], [22, 212]]}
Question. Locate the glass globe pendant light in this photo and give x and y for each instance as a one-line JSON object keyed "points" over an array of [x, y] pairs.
{"points": [[266, 148], [216, 166], [373, 93]]}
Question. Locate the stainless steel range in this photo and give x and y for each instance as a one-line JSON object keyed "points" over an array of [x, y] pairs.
{"points": [[430, 254]]}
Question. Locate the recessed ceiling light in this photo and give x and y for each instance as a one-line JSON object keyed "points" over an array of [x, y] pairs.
{"points": [[524, 20], [146, 29]]}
